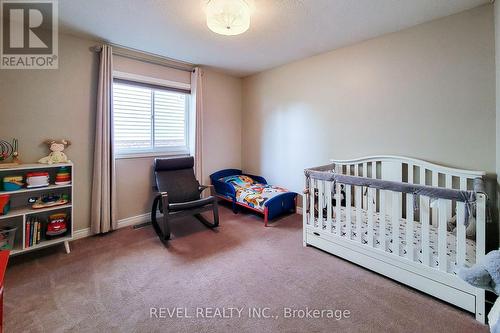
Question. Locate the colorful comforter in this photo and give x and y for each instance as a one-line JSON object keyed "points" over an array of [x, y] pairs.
{"points": [[251, 193]]}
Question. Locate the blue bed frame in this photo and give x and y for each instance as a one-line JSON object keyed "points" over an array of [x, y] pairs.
{"points": [[280, 204]]}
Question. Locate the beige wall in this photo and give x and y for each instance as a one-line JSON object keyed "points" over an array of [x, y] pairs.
{"points": [[221, 144], [221, 123], [426, 92], [39, 104]]}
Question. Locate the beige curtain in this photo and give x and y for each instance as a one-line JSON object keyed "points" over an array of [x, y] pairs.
{"points": [[197, 114], [103, 209]]}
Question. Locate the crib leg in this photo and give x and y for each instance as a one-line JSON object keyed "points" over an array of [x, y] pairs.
{"points": [[480, 303], [265, 216]]}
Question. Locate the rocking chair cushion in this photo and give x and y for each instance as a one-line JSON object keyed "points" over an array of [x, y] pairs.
{"points": [[191, 204], [176, 177]]}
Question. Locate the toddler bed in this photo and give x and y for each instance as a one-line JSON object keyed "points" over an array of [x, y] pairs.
{"points": [[411, 220], [253, 192]]}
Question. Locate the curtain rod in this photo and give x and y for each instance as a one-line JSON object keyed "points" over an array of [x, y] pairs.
{"points": [[123, 51]]}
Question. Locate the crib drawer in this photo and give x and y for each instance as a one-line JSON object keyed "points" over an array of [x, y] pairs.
{"points": [[369, 258]]}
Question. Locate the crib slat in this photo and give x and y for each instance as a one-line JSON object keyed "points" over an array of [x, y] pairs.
{"points": [[409, 226], [461, 234], [424, 219], [321, 201], [409, 216], [463, 183], [371, 211], [434, 211], [442, 257], [328, 192], [395, 222], [422, 175], [435, 178], [365, 174], [382, 220], [374, 175], [305, 214], [358, 213], [410, 173], [348, 205], [338, 215], [311, 207], [357, 203], [460, 260], [448, 184], [480, 225]]}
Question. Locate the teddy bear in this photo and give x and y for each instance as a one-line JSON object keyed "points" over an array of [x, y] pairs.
{"points": [[56, 152], [485, 273]]}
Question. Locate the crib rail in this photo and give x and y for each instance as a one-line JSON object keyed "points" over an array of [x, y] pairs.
{"points": [[366, 208]]}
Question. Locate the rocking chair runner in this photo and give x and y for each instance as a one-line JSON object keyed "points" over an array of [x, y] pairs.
{"points": [[179, 195]]}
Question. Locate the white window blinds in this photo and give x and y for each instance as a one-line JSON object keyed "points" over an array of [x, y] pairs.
{"points": [[149, 119]]}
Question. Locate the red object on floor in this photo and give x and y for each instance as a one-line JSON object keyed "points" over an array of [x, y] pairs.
{"points": [[4, 259]]}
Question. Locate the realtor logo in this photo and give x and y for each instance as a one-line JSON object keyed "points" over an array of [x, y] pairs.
{"points": [[29, 34]]}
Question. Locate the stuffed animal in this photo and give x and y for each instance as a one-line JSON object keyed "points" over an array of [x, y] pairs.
{"points": [[56, 152], [484, 274]]}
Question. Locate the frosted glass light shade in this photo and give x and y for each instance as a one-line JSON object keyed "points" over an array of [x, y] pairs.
{"points": [[228, 17]]}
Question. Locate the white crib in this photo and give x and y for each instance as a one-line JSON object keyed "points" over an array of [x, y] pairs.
{"points": [[387, 232]]}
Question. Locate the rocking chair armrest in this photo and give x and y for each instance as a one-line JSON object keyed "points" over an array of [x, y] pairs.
{"points": [[204, 187], [164, 201]]}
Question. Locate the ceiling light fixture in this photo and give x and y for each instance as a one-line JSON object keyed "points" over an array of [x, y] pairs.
{"points": [[228, 17]]}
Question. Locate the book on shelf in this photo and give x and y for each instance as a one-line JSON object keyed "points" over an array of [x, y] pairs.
{"points": [[39, 227], [27, 232], [33, 232]]}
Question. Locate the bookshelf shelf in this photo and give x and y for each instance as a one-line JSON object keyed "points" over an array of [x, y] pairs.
{"points": [[45, 243], [21, 212], [37, 189], [15, 212]]}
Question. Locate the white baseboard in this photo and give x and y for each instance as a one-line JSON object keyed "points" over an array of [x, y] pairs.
{"points": [[131, 221], [82, 233], [123, 223]]}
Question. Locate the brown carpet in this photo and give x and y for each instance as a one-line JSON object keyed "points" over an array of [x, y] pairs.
{"points": [[109, 283]]}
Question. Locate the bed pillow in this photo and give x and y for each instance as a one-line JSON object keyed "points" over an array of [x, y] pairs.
{"points": [[238, 180]]}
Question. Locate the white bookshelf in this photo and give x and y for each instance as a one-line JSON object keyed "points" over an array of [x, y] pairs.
{"points": [[21, 210]]}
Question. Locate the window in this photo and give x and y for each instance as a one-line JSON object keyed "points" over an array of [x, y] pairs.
{"points": [[149, 119]]}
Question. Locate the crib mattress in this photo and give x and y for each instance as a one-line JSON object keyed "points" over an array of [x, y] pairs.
{"points": [[470, 257]]}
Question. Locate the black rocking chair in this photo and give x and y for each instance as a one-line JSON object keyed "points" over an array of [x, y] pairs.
{"points": [[179, 195]]}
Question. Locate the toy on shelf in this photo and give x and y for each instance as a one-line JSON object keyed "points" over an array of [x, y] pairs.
{"points": [[63, 176], [37, 179], [49, 201], [7, 237], [12, 183], [57, 225], [6, 152], [15, 152], [56, 152], [4, 204]]}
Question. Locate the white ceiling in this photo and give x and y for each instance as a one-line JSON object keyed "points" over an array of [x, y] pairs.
{"points": [[281, 30]]}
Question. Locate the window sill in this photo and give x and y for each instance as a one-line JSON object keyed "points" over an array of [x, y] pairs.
{"points": [[125, 156]]}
